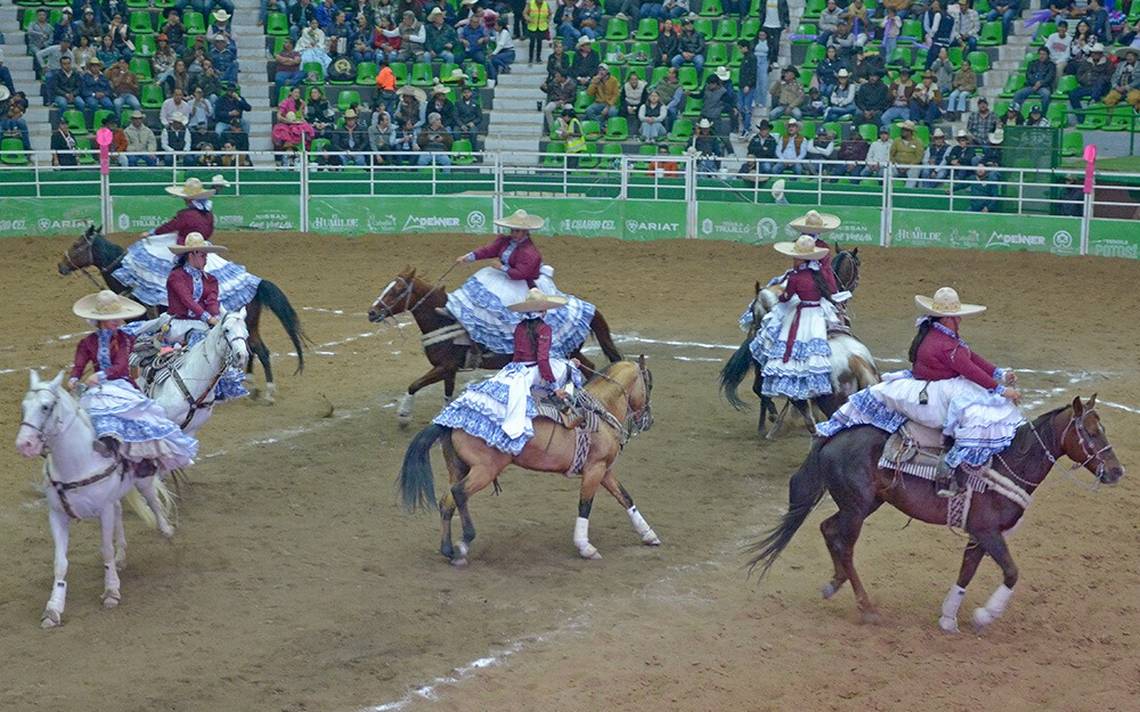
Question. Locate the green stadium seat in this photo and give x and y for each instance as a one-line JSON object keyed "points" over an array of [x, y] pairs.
{"points": [[658, 74], [808, 29], [83, 144], [151, 96], [716, 55], [835, 128], [614, 150], [1065, 84], [99, 117], [1095, 118], [647, 30], [982, 6], [1072, 143], [141, 68], [1043, 31], [477, 74], [617, 29], [320, 145], [589, 159], [346, 98], [76, 121], [138, 4], [869, 132], [462, 153], [1121, 118], [645, 149], [592, 130], [164, 5], [277, 24], [640, 54], [688, 78], [693, 106], [366, 73], [980, 61], [641, 72], [815, 54], [682, 131], [727, 30], [314, 68], [750, 29], [194, 23], [1012, 84], [815, 8], [422, 75], [279, 44], [705, 26], [582, 101], [736, 56], [12, 151], [711, 8], [991, 34], [553, 161], [1057, 114], [956, 57], [140, 23], [400, 72], [145, 46], [900, 57], [911, 28]]}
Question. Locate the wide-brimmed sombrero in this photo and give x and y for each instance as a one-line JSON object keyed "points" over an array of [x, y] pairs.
{"points": [[537, 301], [190, 190], [803, 248], [814, 222], [945, 302], [521, 220], [106, 306], [196, 243]]}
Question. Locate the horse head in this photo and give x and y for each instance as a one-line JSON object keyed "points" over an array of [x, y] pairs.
{"points": [[37, 413], [846, 267], [640, 398], [401, 295], [1085, 442], [81, 254], [233, 331]]}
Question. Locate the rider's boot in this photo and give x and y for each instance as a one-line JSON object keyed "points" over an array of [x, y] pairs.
{"points": [[145, 468], [946, 482], [474, 357], [106, 446]]}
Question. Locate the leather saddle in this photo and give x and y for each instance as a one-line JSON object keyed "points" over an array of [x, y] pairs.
{"points": [[915, 445]]}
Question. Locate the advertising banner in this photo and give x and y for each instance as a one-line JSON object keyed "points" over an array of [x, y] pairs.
{"points": [[605, 217], [760, 224], [1114, 238], [359, 215], [136, 213], [995, 232], [24, 217]]}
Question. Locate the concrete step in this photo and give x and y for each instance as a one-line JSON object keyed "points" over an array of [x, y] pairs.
{"points": [[501, 144], [521, 105], [509, 92]]}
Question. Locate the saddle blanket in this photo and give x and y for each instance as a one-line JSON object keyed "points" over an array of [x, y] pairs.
{"points": [[917, 450]]}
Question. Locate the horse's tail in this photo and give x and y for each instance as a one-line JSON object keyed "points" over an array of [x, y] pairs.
{"points": [[417, 484], [271, 296], [805, 490], [601, 331], [866, 373], [733, 373], [166, 502]]}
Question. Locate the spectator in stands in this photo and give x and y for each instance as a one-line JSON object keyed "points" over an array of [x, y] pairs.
{"points": [[440, 104], [962, 155], [926, 100], [406, 144], [651, 118], [558, 60], [589, 19], [288, 67], [220, 27], [1094, 75], [89, 27], [605, 92], [964, 85], [565, 21], [65, 28], [210, 82], [12, 122], [386, 41], [231, 106], [1012, 118], [938, 28], [878, 154], [176, 104], [716, 101], [585, 64], [1040, 78], [814, 104], [413, 105], [671, 95], [983, 191], [173, 28], [230, 156], [901, 7], [707, 147], [83, 52], [821, 148], [991, 154], [900, 91], [982, 122], [746, 97], [290, 134], [504, 52], [1081, 48], [871, 99], [1098, 18], [97, 93], [691, 46], [179, 79], [313, 45], [868, 61], [40, 35], [934, 167], [176, 142], [1008, 11], [967, 24], [201, 112], [62, 142], [435, 142], [842, 100], [224, 58], [855, 31], [474, 37], [106, 52], [1036, 118], [340, 35], [163, 61], [892, 27], [207, 157], [829, 20], [1059, 44], [787, 95], [668, 43], [826, 69], [791, 148], [1061, 9], [665, 166], [774, 18], [1125, 81], [316, 112], [763, 148], [631, 10], [440, 39], [906, 153], [64, 87], [943, 70], [351, 141], [853, 153], [632, 96], [300, 16], [560, 90], [326, 14], [140, 139], [468, 115], [381, 136]]}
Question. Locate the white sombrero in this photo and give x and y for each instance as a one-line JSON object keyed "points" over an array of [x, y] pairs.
{"points": [[521, 220], [190, 190], [106, 305], [778, 189], [538, 301], [814, 222], [945, 302], [802, 249], [196, 243]]}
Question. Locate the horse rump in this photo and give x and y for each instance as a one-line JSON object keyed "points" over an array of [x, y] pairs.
{"points": [[416, 481]]}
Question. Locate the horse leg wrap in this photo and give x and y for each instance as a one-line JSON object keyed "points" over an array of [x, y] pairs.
{"points": [[950, 605], [582, 539], [994, 607], [648, 536]]}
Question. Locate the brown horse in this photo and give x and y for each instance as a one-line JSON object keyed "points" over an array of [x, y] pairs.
{"points": [[846, 465], [94, 250], [623, 389], [446, 344]]}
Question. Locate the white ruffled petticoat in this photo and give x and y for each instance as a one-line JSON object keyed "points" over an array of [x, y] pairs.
{"points": [[147, 263], [117, 410], [807, 373], [480, 306], [500, 410], [981, 422]]}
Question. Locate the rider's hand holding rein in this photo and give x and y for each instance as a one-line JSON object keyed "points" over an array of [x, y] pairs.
{"points": [[1011, 394], [1010, 378], [468, 257]]}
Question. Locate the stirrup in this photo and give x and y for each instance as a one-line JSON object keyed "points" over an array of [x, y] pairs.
{"points": [[474, 358]]}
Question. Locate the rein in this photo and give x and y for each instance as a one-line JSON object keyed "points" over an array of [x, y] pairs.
{"points": [[636, 421], [205, 400], [409, 291], [90, 242]]}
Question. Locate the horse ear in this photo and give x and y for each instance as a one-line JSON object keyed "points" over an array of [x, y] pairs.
{"points": [[855, 252], [55, 382], [836, 246], [1078, 407], [758, 287], [641, 361], [33, 378], [1092, 403]]}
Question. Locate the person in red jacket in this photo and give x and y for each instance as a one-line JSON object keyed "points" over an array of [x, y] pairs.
{"points": [[949, 387], [198, 214], [191, 292], [518, 256], [126, 422]]}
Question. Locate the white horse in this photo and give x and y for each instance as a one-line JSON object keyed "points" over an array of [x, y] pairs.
{"points": [[186, 392], [80, 483]]}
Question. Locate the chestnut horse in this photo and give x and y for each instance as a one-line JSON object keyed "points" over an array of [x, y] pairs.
{"points": [[623, 390], [92, 249], [846, 465], [446, 344]]}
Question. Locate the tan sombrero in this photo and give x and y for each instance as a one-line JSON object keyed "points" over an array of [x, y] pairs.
{"points": [[945, 302], [196, 243], [814, 222], [106, 305], [521, 220], [190, 190], [802, 249], [538, 301]]}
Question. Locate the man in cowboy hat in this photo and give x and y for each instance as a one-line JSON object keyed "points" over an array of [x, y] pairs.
{"points": [[584, 66], [961, 155], [97, 92], [140, 139], [906, 153], [176, 141], [1094, 75], [440, 39], [934, 159], [787, 95], [605, 91]]}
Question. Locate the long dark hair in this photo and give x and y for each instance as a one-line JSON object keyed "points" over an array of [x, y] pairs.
{"points": [[821, 284], [923, 330], [532, 331]]}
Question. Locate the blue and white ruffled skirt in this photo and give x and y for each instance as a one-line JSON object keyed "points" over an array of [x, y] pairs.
{"points": [[117, 410], [807, 373], [147, 263]]}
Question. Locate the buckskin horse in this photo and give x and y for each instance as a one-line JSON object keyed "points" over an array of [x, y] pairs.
{"points": [[621, 395], [92, 249], [446, 343], [846, 465]]}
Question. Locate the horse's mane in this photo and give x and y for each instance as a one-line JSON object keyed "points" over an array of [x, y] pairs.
{"points": [[103, 251], [617, 378], [1024, 439]]}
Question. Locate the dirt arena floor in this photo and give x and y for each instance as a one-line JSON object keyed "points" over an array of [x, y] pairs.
{"points": [[295, 583]]}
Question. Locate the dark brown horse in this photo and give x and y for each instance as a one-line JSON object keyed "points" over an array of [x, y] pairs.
{"points": [[92, 249], [846, 465], [445, 342]]}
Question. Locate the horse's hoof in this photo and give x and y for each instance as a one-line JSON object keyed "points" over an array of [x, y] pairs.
{"points": [[948, 625], [166, 531], [459, 562], [982, 619], [651, 539], [403, 421], [447, 552], [51, 619], [111, 599], [872, 617], [590, 553], [829, 589]]}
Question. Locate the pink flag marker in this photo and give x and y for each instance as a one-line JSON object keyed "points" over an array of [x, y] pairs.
{"points": [[1090, 166], [103, 137]]}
